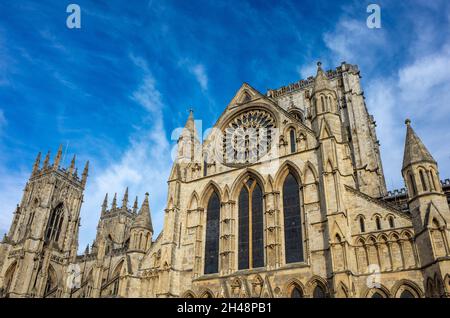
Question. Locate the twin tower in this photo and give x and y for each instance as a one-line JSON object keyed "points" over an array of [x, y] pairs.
{"points": [[38, 256]]}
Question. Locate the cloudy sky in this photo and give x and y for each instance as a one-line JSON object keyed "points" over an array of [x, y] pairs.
{"points": [[114, 91]]}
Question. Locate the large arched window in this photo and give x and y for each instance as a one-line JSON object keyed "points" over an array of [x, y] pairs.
{"points": [[212, 235], [293, 239], [251, 226], [54, 223]]}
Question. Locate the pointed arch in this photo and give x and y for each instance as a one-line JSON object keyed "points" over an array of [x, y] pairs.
{"points": [[238, 182], [380, 292], [9, 278], [342, 291], [193, 202], [294, 289], [52, 281], [311, 190], [188, 294], [310, 173], [226, 193], [210, 187], [207, 293], [286, 168], [406, 289], [318, 287]]}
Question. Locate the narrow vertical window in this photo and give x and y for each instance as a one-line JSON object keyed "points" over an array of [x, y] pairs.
{"points": [[212, 235], [378, 223], [422, 180], [413, 184], [362, 226], [205, 166], [243, 244], [257, 227], [292, 140], [391, 222], [292, 221]]}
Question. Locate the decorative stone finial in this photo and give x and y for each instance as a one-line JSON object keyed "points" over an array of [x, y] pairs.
{"points": [[408, 121], [319, 64]]}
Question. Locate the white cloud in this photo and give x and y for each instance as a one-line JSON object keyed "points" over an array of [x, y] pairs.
{"points": [[11, 185], [200, 74], [419, 89], [352, 41], [143, 167], [198, 70]]}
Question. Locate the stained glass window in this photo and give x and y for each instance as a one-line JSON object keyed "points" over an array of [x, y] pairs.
{"points": [[212, 235], [243, 229], [251, 226], [292, 221], [257, 227]]}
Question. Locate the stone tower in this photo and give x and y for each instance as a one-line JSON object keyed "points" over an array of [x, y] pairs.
{"points": [[429, 211], [42, 240]]}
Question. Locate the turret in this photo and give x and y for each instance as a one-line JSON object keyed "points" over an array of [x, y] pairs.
{"points": [[46, 160], [142, 229], [188, 141], [85, 174], [114, 202], [125, 200], [72, 165], [36, 164], [427, 202], [419, 169], [135, 205], [58, 158], [105, 204]]}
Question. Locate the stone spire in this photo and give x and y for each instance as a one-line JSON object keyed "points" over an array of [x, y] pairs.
{"points": [[105, 204], [321, 81], [125, 199], [85, 174], [143, 219], [114, 202], [415, 150], [72, 164], [47, 160], [36, 163], [135, 205], [58, 158], [190, 124]]}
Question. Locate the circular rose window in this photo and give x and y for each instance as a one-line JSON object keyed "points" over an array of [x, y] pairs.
{"points": [[247, 138]]}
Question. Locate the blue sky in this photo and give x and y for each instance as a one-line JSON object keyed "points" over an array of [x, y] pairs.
{"points": [[114, 90]]}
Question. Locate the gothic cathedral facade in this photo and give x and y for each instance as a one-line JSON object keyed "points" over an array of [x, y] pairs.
{"points": [[286, 197]]}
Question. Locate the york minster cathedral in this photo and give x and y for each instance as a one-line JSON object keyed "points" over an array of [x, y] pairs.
{"points": [[286, 197]]}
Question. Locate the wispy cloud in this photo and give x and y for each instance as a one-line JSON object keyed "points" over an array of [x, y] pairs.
{"points": [[143, 167], [419, 87], [198, 70]]}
